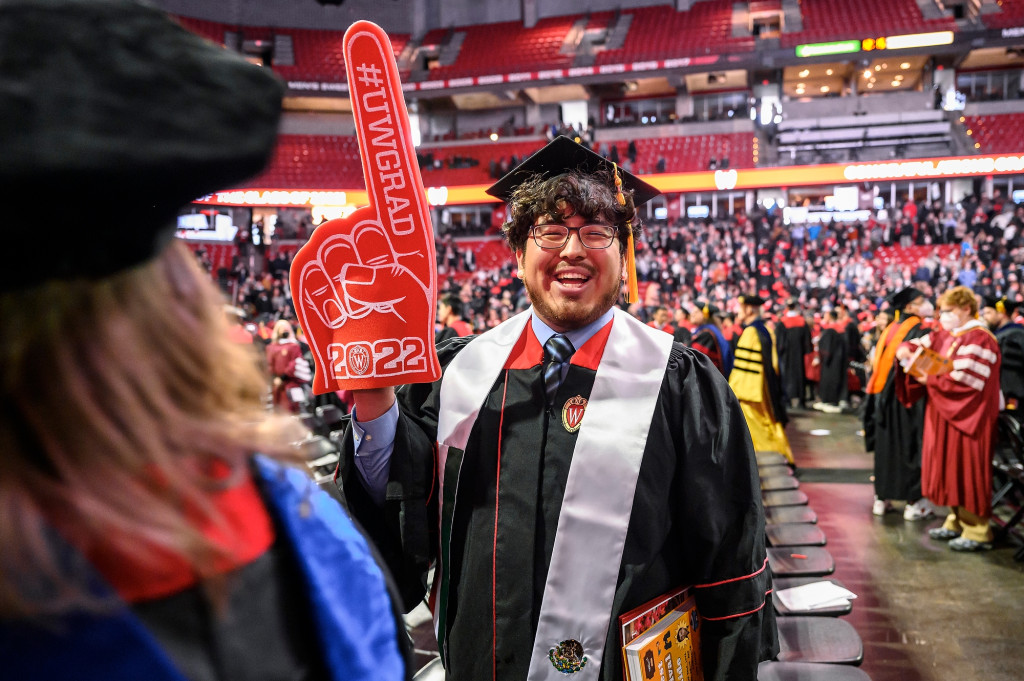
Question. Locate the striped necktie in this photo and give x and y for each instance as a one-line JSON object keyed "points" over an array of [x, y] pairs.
{"points": [[557, 352]]}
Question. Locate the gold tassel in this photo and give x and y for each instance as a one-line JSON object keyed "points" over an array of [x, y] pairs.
{"points": [[632, 289]]}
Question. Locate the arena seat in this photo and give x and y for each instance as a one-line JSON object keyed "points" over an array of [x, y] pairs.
{"points": [[508, 47], [996, 133], [827, 20], [1010, 14], [663, 33], [911, 256]]}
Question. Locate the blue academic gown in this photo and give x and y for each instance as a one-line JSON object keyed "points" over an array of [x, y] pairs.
{"points": [[347, 592]]}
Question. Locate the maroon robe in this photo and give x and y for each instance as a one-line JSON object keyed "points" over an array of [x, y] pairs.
{"points": [[960, 419]]}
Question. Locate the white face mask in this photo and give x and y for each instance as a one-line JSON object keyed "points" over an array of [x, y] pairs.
{"points": [[949, 320]]}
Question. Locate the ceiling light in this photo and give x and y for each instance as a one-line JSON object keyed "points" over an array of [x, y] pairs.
{"points": [[895, 83], [805, 73], [867, 73], [969, 131], [905, 65], [871, 85], [824, 88], [898, 77], [885, 65], [828, 72], [977, 145], [877, 67], [494, 137]]}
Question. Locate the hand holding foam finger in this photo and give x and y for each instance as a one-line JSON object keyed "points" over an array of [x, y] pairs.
{"points": [[364, 286]]}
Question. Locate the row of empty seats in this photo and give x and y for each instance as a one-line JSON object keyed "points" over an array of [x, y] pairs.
{"points": [[663, 33], [332, 161], [997, 133], [1010, 15], [911, 256]]}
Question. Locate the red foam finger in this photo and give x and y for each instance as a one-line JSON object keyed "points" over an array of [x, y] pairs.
{"points": [[364, 286]]}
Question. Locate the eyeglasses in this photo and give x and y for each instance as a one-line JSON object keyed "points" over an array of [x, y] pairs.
{"points": [[552, 236]]}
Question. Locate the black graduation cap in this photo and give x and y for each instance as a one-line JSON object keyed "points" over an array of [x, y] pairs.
{"points": [[113, 117], [1002, 305], [706, 308], [755, 300], [562, 155], [904, 297]]}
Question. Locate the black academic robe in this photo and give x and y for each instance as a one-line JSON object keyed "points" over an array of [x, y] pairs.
{"points": [[832, 386], [794, 343], [894, 433], [696, 516], [1011, 373]]}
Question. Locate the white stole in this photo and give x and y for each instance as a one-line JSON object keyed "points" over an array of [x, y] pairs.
{"points": [[598, 499]]}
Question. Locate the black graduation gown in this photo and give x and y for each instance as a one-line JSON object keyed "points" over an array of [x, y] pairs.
{"points": [[696, 517], [832, 387], [894, 434], [794, 343], [1011, 372]]}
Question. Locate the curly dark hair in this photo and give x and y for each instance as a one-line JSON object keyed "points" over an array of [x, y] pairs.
{"points": [[589, 195]]}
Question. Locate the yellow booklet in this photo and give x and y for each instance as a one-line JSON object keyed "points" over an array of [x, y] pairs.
{"points": [[669, 650]]}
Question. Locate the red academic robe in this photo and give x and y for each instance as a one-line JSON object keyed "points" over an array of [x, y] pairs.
{"points": [[960, 419]]}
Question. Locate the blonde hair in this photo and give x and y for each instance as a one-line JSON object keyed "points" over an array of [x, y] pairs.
{"points": [[960, 296], [117, 395], [281, 327]]}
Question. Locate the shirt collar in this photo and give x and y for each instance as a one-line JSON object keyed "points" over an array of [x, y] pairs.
{"points": [[577, 337]]}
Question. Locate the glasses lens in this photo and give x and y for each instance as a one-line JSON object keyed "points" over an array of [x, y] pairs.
{"points": [[596, 236], [550, 236]]}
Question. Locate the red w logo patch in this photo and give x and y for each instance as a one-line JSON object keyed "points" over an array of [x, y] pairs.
{"points": [[572, 413]]}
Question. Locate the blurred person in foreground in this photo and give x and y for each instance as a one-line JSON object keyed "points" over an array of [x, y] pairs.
{"points": [[959, 420], [142, 536], [586, 463], [755, 380]]}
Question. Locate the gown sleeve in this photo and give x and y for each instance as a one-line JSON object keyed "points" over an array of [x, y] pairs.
{"points": [[964, 396], [718, 512]]}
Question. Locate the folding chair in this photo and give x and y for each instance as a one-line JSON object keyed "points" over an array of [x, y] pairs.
{"points": [[809, 671], [800, 561], [794, 534], [792, 497], [778, 483], [782, 515], [819, 639]]}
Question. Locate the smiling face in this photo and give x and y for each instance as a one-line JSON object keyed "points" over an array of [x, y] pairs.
{"points": [[571, 286]]}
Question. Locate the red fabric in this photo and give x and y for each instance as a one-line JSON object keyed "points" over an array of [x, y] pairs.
{"points": [[462, 327], [528, 351], [793, 321], [812, 371], [668, 328], [959, 425], [247, 534]]}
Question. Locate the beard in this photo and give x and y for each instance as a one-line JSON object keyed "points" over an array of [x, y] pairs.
{"points": [[565, 314]]}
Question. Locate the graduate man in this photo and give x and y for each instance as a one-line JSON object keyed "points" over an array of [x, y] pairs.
{"points": [[959, 421], [998, 314], [585, 463], [755, 380], [892, 430], [708, 338], [794, 340]]}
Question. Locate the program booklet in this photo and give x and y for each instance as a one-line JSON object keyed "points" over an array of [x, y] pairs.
{"points": [[927, 362], [661, 639]]}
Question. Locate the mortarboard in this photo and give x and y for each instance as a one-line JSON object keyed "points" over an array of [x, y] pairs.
{"points": [[904, 297], [563, 155], [1002, 305], [707, 309], [755, 300], [113, 117]]}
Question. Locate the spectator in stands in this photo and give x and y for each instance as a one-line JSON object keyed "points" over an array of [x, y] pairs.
{"points": [[449, 316], [960, 420], [569, 228], [834, 360], [755, 380], [142, 537]]}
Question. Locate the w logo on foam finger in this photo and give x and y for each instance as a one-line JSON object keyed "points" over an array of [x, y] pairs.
{"points": [[364, 287]]}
